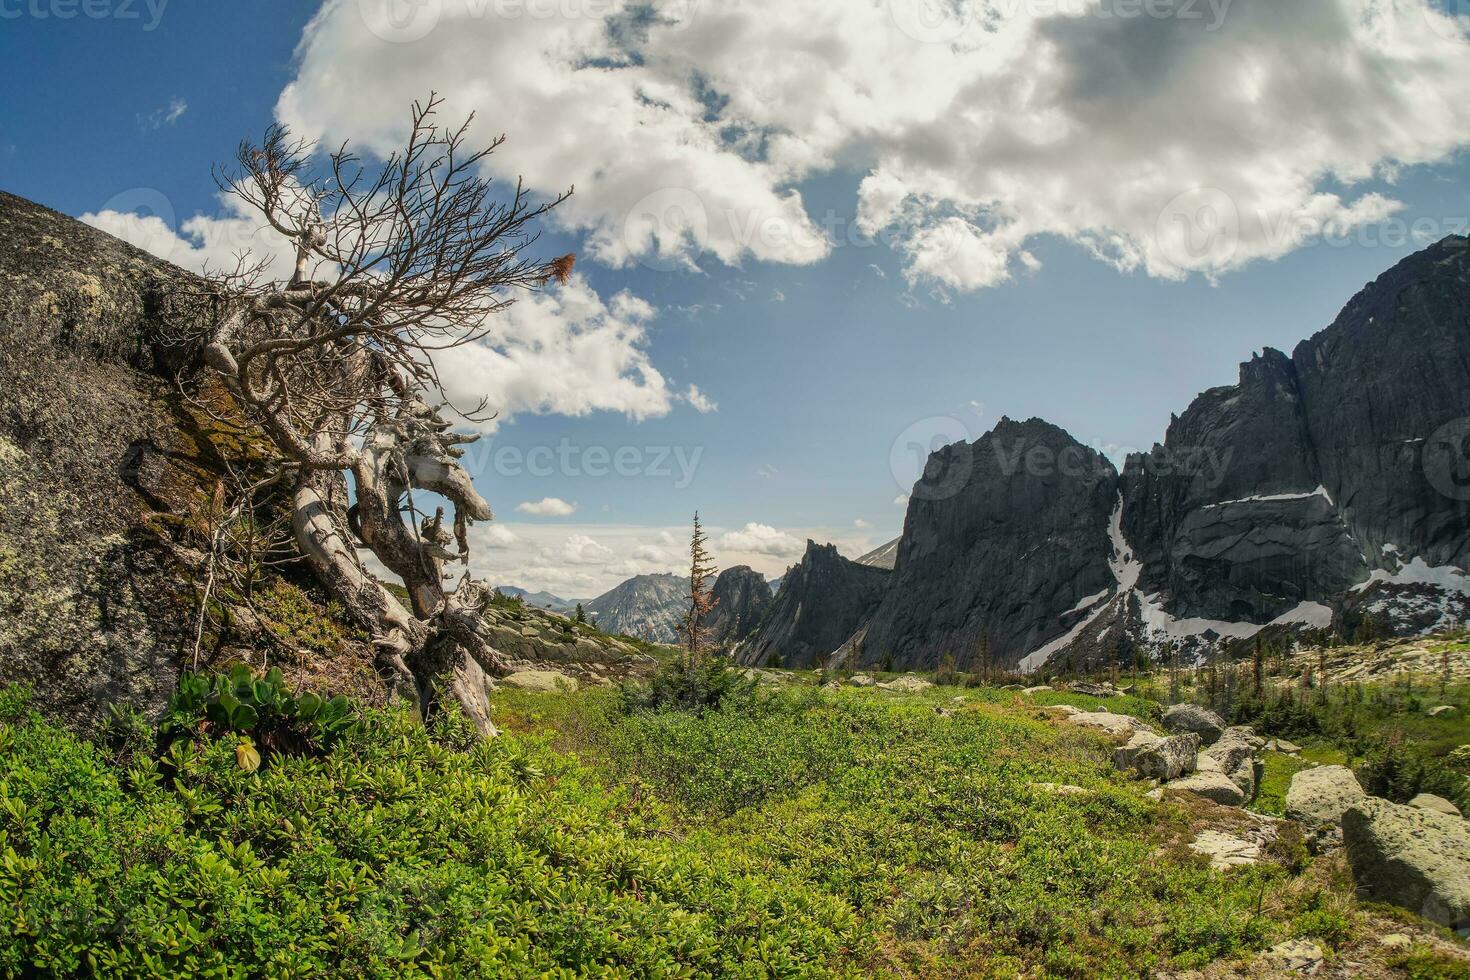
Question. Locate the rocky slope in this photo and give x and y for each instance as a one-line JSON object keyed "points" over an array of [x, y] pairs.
{"points": [[107, 472], [884, 556], [647, 607], [1004, 538], [742, 600], [541, 600], [96, 453], [823, 600]]}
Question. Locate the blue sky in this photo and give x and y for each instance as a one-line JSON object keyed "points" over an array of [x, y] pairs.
{"points": [[817, 368]]}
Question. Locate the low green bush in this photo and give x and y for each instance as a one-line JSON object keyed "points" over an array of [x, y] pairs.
{"points": [[390, 855], [688, 682], [261, 708]]}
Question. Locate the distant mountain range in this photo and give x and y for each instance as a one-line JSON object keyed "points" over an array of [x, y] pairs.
{"points": [[646, 607], [1328, 490], [541, 600]]}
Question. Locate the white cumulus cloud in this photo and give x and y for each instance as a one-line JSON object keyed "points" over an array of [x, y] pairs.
{"points": [[1191, 137], [547, 507], [761, 539]]}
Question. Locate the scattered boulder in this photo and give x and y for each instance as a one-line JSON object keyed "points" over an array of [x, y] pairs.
{"points": [[1194, 718], [1440, 711], [1038, 689], [1289, 748], [1154, 756], [906, 685], [1296, 956], [1428, 801], [1225, 850], [1214, 786], [1236, 750], [540, 680], [861, 680], [1318, 797], [760, 676], [1104, 720], [1091, 690], [1416, 858]]}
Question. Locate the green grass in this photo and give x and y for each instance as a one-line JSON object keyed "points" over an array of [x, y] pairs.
{"points": [[1280, 768], [794, 833]]}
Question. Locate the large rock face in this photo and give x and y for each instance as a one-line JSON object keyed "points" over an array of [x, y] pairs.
{"points": [[822, 602], [93, 456], [1004, 539], [1346, 458], [646, 607], [1413, 857], [742, 600]]}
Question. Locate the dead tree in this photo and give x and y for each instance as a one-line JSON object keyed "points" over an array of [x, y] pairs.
{"points": [[394, 265]]}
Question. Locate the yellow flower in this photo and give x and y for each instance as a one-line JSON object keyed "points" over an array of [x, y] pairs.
{"points": [[247, 756]]}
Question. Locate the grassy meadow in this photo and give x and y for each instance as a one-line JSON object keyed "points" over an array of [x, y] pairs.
{"points": [[791, 832]]}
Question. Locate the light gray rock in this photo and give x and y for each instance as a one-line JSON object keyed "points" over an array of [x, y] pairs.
{"points": [[1428, 801], [1106, 721], [1236, 752], [1290, 748], [1415, 858], [1296, 956], [1225, 850], [861, 680], [1318, 797], [1215, 786], [1091, 690], [1194, 718], [540, 680], [1038, 689], [1154, 756], [1441, 710], [906, 685]]}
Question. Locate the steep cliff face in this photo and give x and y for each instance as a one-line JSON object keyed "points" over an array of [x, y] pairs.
{"points": [[742, 600], [1388, 409], [823, 600], [1319, 469], [1229, 516], [646, 607], [1004, 537]]}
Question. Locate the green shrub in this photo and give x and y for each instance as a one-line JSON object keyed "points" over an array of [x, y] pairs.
{"points": [[1399, 770], [261, 708], [391, 855], [689, 682]]}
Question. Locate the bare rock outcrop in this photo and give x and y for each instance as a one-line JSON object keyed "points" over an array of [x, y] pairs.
{"points": [[1413, 857], [823, 601]]}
